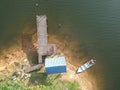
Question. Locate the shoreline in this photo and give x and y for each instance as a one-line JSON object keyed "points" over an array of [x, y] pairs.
{"points": [[15, 54]]}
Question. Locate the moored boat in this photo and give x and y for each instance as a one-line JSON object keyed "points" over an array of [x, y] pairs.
{"points": [[86, 66]]}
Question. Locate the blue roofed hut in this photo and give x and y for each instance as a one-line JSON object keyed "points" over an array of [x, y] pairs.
{"points": [[55, 65]]}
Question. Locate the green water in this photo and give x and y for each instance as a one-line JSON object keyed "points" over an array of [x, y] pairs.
{"points": [[95, 25]]}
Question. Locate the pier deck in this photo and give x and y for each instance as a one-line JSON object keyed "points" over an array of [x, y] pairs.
{"points": [[42, 36], [44, 49]]}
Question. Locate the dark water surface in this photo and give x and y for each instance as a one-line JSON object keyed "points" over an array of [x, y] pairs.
{"points": [[94, 24]]}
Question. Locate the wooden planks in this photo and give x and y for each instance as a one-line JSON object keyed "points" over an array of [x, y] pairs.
{"points": [[42, 36], [36, 67]]}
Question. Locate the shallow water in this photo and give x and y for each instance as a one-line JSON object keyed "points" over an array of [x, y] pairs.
{"points": [[94, 25]]}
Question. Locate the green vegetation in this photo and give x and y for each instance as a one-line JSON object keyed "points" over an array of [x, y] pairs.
{"points": [[72, 86], [12, 85], [43, 82]]}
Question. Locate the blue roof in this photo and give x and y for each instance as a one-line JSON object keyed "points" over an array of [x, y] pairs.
{"points": [[53, 62], [54, 70], [55, 65]]}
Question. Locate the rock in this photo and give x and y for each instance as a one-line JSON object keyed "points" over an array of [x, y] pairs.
{"points": [[2, 68], [36, 4], [25, 60], [14, 77], [17, 64], [8, 56], [65, 88], [15, 74], [36, 82]]}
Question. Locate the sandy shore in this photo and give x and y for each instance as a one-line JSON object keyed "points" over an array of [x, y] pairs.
{"points": [[19, 54], [84, 79]]}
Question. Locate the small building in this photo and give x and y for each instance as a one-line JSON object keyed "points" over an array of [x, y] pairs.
{"points": [[55, 65]]}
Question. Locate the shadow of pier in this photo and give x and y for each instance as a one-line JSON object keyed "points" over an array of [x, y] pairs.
{"points": [[29, 49]]}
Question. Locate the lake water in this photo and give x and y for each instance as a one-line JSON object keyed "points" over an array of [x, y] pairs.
{"points": [[95, 25]]}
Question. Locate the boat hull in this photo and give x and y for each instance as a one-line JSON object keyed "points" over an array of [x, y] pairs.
{"points": [[86, 66]]}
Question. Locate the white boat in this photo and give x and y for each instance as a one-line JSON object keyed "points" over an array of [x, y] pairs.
{"points": [[86, 66]]}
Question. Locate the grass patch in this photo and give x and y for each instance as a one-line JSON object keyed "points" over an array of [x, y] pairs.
{"points": [[12, 85], [44, 82], [52, 82], [72, 86]]}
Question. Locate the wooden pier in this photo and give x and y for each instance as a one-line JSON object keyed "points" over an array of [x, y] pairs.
{"points": [[44, 49], [42, 37], [36, 67]]}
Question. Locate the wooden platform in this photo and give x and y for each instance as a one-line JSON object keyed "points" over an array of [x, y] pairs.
{"points": [[44, 49], [36, 67], [52, 49], [42, 36]]}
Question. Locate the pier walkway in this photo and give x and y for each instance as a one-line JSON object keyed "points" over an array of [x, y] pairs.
{"points": [[44, 49]]}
